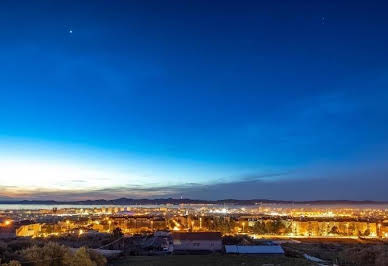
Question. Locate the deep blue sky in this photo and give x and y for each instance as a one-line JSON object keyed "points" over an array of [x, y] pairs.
{"points": [[247, 98]]}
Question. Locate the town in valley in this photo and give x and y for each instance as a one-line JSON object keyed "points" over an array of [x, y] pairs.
{"points": [[263, 229]]}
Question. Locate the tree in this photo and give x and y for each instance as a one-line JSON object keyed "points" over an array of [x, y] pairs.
{"points": [[288, 229], [171, 224], [259, 228], [49, 229], [221, 224], [278, 227], [117, 233], [98, 259], [334, 230], [53, 254], [86, 257], [81, 258], [274, 227]]}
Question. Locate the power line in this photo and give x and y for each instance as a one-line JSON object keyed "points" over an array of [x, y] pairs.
{"points": [[111, 243]]}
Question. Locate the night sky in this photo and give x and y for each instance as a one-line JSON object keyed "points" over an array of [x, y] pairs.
{"points": [[204, 99]]}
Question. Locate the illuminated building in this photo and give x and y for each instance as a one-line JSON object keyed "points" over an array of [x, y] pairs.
{"points": [[31, 230]]}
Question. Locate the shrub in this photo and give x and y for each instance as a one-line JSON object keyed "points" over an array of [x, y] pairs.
{"points": [[54, 254], [12, 263], [365, 255]]}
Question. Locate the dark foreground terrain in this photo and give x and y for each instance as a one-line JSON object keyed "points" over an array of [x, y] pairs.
{"points": [[208, 260]]}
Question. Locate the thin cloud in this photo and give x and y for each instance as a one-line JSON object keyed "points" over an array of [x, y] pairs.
{"points": [[350, 180]]}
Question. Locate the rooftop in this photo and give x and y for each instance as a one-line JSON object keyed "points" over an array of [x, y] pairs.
{"points": [[197, 235], [258, 249]]}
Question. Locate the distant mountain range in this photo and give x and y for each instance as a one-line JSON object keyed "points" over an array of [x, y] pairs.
{"points": [[126, 201]]}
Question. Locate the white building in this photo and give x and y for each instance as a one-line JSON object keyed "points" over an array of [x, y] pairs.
{"points": [[258, 249]]}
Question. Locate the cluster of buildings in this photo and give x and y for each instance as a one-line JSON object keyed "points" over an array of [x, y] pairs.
{"points": [[262, 221]]}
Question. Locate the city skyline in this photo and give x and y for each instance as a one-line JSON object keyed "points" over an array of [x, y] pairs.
{"points": [[201, 100]]}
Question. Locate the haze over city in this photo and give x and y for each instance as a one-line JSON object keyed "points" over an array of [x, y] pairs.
{"points": [[194, 99]]}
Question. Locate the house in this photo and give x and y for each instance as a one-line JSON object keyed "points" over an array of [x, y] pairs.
{"points": [[198, 241], [257, 249]]}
